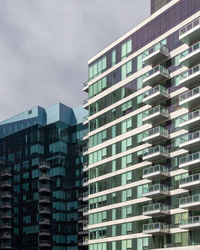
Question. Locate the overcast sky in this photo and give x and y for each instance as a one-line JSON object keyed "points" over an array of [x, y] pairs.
{"points": [[45, 46]]}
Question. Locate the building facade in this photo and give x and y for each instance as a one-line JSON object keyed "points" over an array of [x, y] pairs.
{"points": [[41, 175], [144, 138]]}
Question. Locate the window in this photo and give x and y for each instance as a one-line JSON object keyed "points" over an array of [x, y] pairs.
{"points": [[97, 68], [126, 161], [126, 70], [126, 125], [126, 48]]}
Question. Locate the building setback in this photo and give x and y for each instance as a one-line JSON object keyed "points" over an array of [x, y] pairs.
{"points": [[41, 179], [144, 134]]}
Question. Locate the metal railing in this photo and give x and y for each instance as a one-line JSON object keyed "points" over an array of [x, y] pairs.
{"points": [[153, 169], [189, 26]]}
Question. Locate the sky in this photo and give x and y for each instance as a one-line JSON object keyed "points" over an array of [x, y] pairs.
{"points": [[45, 46]]}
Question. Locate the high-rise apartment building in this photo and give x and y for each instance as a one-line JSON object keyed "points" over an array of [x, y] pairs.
{"points": [[41, 179], [144, 134]]}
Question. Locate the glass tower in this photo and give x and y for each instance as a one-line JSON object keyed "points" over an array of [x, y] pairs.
{"points": [[41, 175], [144, 134]]}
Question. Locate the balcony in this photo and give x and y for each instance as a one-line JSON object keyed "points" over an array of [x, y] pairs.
{"points": [[44, 232], [191, 223], [190, 99], [190, 161], [190, 120], [5, 184], [44, 199], [5, 215], [156, 55], [83, 242], [190, 78], [85, 181], [85, 211], [5, 246], [44, 166], [44, 210], [156, 95], [44, 177], [85, 167], [156, 76], [85, 120], [156, 191], [5, 195], [155, 172], [5, 205], [5, 226], [191, 182], [44, 222], [156, 228], [85, 196], [155, 135], [191, 56], [5, 236], [85, 226], [85, 86], [155, 115], [190, 202], [6, 173], [191, 32], [190, 141], [85, 103], [44, 189], [85, 150], [155, 154], [44, 243], [156, 210]]}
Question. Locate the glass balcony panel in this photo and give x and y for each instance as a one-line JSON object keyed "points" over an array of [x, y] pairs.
{"points": [[190, 141], [155, 115], [155, 153], [190, 78], [190, 99], [156, 95], [155, 228], [191, 32], [191, 182], [155, 76], [190, 161], [156, 54], [155, 135], [190, 57], [190, 121], [156, 172], [156, 210], [190, 202], [156, 191]]}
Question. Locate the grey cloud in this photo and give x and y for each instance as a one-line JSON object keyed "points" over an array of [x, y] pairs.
{"points": [[45, 46]]}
